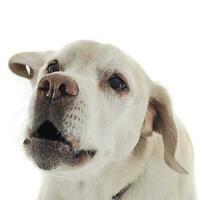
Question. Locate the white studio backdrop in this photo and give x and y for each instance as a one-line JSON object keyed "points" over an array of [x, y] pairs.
{"points": [[163, 36]]}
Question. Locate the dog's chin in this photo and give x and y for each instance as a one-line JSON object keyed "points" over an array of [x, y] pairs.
{"points": [[50, 150], [49, 154]]}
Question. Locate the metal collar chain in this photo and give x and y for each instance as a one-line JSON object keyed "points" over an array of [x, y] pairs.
{"points": [[120, 194]]}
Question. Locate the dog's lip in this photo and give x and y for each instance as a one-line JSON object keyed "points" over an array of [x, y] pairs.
{"points": [[48, 154], [26, 141], [49, 148], [77, 153], [61, 141]]}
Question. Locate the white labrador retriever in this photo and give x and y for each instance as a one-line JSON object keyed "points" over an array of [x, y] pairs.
{"points": [[101, 129]]}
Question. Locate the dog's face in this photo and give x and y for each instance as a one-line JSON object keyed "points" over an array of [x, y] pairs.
{"points": [[90, 105]]}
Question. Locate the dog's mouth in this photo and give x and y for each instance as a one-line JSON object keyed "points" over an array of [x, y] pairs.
{"points": [[50, 149], [48, 131]]}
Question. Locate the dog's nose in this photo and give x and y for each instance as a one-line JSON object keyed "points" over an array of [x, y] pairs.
{"points": [[54, 86]]}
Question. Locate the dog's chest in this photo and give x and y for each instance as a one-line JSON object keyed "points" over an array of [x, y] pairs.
{"points": [[83, 191], [93, 191]]}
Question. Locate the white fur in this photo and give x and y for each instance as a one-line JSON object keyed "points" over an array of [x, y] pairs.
{"points": [[112, 125]]}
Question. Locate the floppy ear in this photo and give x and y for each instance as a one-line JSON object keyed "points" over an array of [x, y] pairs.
{"points": [[27, 64], [159, 119]]}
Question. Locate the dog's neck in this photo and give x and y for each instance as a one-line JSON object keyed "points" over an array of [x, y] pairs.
{"points": [[105, 187], [112, 183]]}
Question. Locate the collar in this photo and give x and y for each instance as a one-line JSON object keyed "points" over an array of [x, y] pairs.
{"points": [[120, 194]]}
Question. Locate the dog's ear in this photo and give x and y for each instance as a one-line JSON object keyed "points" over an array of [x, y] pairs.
{"points": [[159, 119], [27, 64]]}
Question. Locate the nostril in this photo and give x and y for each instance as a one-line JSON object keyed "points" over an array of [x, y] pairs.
{"points": [[55, 86], [62, 89], [44, 85]]}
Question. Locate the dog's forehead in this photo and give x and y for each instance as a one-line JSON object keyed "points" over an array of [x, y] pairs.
{"points": [[92, 53], [89, 55]]}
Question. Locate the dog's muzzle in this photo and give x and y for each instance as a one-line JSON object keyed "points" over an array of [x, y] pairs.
{"points": [[46, 143]]}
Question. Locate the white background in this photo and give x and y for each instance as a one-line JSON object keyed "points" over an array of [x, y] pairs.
{"points": [[163, 36]]}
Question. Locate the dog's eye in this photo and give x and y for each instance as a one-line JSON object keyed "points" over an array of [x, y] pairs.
{"points": [[117, 83], [53, 67]]}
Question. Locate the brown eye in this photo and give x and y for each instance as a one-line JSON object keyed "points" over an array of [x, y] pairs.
{"points": [[53, 67], [117, 83]]}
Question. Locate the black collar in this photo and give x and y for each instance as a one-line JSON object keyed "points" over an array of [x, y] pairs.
{"points": [[119, 195]]}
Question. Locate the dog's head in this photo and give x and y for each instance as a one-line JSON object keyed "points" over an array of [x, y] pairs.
{"points": [[91, 103]]}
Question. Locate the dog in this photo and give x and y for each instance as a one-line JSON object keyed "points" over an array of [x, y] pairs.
{"points": [[100, 129]]}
